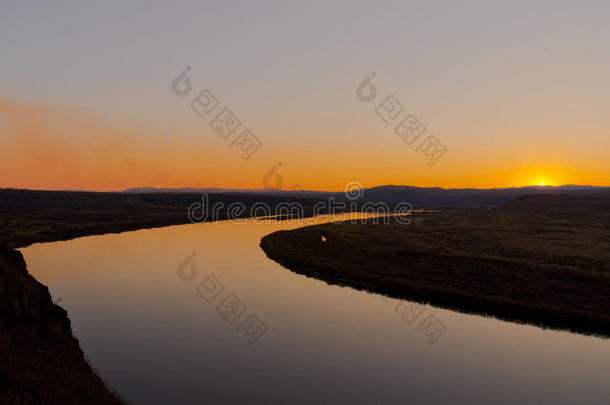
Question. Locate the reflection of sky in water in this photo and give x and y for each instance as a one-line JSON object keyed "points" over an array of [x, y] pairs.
{"points": [[156, 340]]}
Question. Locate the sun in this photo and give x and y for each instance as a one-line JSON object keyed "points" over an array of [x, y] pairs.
{"points": [[542, 181]]}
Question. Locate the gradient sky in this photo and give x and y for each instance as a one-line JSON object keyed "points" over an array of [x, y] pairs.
{"points": [[517, 92]]}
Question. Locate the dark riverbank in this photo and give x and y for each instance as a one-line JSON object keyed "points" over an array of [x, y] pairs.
{"points": [[31, 216], [550, 269], [42, 362]]}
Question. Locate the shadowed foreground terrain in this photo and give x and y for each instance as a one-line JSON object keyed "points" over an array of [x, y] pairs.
{"points": [[545, 262]]}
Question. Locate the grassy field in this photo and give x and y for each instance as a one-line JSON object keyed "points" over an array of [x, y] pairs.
{"points": [[29, 216], [524, 262]]}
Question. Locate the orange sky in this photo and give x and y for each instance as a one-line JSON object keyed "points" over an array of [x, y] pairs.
{"points": [[52, 148]]}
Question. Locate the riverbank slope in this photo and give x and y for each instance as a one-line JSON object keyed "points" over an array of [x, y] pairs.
{"points": [[42, 362]]}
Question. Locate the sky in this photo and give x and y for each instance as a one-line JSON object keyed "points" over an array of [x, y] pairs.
{"points": [[513, 93]]}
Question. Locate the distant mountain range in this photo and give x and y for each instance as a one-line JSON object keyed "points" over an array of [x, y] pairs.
{"points": [[419, 197], [224, 190]]}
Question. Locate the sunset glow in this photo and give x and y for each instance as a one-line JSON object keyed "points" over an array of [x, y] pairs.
{"points": [[46, 147]]}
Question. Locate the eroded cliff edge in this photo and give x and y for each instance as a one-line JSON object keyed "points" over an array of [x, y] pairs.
{"points": [[42, 362]]}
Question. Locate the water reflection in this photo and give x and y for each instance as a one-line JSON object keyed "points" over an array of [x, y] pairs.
{"points": [[157, 340]]}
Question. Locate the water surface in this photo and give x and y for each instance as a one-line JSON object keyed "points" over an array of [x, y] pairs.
{"points": [[157, 341]]}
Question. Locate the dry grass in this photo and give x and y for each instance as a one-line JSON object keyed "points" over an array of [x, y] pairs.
{"points": [[550, 270]]}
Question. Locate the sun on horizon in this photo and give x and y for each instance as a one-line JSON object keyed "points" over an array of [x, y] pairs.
{"points": [[543, 181]]}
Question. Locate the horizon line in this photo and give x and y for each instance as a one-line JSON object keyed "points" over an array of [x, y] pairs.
{"points": [[153, 189]]}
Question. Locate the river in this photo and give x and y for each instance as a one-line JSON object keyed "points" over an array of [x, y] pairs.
{"points": [[195, 314]]}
